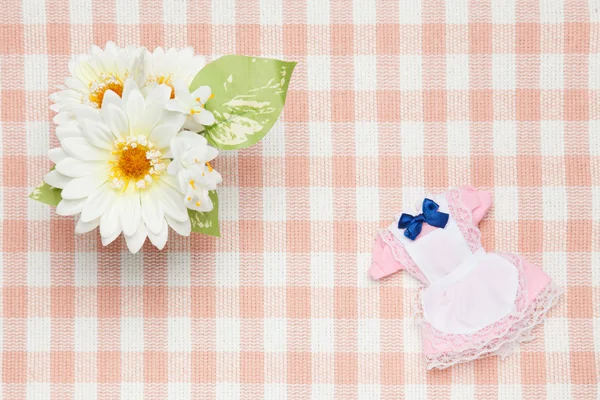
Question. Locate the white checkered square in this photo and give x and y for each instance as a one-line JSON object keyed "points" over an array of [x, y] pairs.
{"points": [[86, 391], [227, 269], [38, 269], [275, 270], [411, 72], [459, 138], [38, 334], [504, 72], [552, 71], [552, 12], [86, 334], [179, 269], [321, 204], [366, 139], [319, 70], [457, 71], [367, 204], [320, 139], [229, 210], [552, 138], [321, 270], [180, 334], [223, 12], [274, 200], [365, 72], [364, 12], [132, 334], [275, 391], [462, 391], [503, 12], [228, 334], [36, 72], [369, 391], [317, 12], [81, 12], [38, 390], [271, 12], [506, 201], [412, 138], [505, 138], [368, 335], [174, 12], [556, 334], [86, 269], [555, 203], [411, 12], [275, 336], [322, 335], [457, 12], [131, 390], [179, 390]]}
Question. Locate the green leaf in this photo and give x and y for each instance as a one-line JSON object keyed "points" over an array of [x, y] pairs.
{"points": [[207, 222], [46, 194], [249, 94]]}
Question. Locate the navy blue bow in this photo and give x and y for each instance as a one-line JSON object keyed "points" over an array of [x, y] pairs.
{"points": [[431, 215]]}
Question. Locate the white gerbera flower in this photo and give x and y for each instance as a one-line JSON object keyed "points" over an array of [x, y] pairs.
{"points": [[192, 105], [112, 164], [94, 74], [196, 177], [173, 65]]}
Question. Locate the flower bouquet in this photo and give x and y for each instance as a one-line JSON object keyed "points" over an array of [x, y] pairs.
{"points": [[138, 131]]}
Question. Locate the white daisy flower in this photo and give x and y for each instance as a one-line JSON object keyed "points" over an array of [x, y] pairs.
{"points": [[112, 168], [192, 105], [173, 65], [191, 164], [94, 74]]}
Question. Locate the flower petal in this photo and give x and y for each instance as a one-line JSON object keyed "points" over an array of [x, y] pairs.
{"points": [[205, 117], [183, 228], [70, 207], [202, 93], [106, 240], [97, 134], [116, 120], [79, 188], [159, 240], [97, 203], [75, 168], [57, 155], [130, 212], [109, 222], [84, 227], [162, 134], [81, 149], [137, 239], [152, 212], [171, 201], [56, 179]]}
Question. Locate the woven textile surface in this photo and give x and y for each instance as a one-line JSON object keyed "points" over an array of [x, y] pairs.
{"points": [[390, 99]]}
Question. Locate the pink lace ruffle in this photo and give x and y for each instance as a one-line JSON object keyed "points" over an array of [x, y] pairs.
{"points": [[464, 219], [400, 254], [504, 343]]}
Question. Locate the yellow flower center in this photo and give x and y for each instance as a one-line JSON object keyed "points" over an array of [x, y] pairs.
{"points": [[162, 80], [136, 161], [98, 89]]}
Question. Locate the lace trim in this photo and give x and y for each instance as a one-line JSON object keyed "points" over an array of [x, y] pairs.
{"points": [[400, 254], [502, 345], [464, 219]]}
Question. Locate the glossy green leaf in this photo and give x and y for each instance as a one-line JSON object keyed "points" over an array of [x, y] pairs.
{"points": [[249, 94], [46, 194], [207, 222]]}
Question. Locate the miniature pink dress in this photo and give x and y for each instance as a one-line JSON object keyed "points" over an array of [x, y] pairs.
{"points": [[474, 303]]}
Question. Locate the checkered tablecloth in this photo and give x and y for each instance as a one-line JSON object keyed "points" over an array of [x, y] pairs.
{"points": [[390, 99]]}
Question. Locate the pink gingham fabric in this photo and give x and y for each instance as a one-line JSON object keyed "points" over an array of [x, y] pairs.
{"points": [[390, 99]]}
